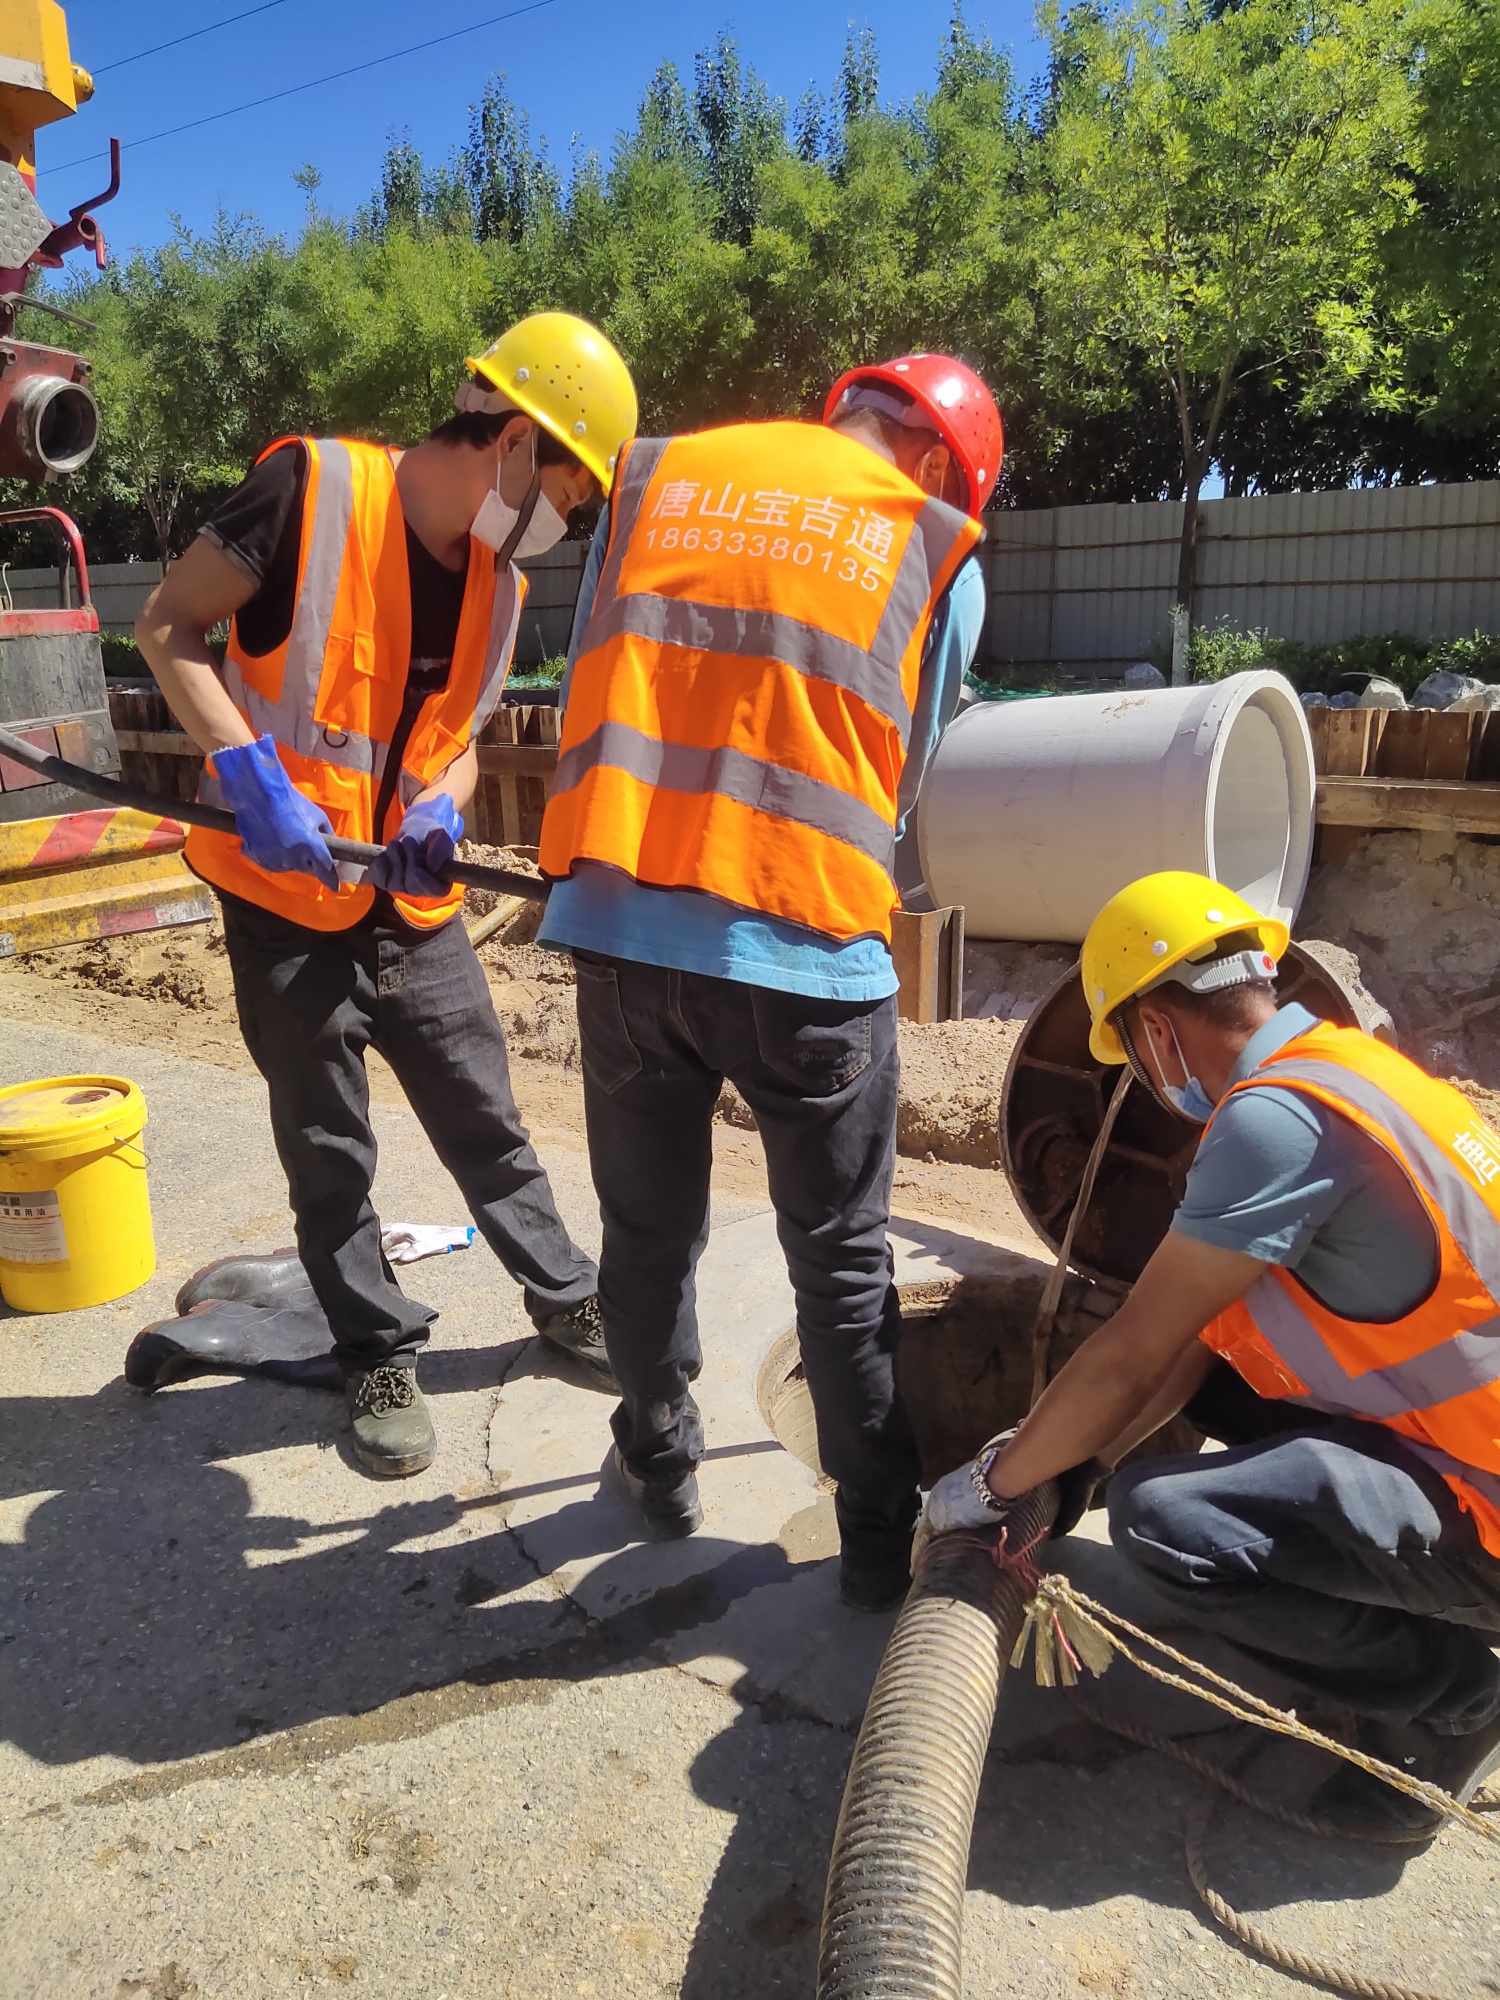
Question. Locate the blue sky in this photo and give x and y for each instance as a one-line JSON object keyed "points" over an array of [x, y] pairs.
{"points": [[577, 66]]}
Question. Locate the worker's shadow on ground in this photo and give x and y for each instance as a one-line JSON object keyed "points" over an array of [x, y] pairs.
{"points": [[147, 1611]]}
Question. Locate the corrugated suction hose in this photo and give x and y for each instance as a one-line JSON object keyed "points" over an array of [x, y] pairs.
{"points": [[894, 1910]]}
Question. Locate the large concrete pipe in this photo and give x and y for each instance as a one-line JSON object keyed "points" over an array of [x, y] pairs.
{"points": [[1034, 813]]}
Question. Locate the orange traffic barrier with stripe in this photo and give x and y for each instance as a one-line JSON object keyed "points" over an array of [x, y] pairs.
{"points": [[74, 877]]}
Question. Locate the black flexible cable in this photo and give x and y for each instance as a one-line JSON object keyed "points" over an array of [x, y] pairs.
{"points": [[193, 35], [136, 798]]}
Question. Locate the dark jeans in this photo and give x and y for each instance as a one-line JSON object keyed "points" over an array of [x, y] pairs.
{"points": [[1329, 1552], [820, 1076], [310, 1004]]}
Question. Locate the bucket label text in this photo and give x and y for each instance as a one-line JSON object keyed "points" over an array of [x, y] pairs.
{"points": [[31, 1228]]}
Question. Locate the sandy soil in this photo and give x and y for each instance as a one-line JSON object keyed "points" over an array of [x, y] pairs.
{"points": [[173, 990]]}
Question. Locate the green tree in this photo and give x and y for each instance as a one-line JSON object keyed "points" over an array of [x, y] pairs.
{"points": [[1217, 182]]}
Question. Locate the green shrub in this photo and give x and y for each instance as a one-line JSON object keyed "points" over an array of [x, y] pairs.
{"points": [[1477, 656], [1217, 651], [1344, 666], [546, 674], [122, 657]]}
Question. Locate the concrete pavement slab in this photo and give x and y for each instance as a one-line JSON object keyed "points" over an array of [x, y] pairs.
{"points": [[272, 1728]]}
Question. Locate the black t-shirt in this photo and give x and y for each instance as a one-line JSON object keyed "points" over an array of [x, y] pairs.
{"points": [[259, 528]]}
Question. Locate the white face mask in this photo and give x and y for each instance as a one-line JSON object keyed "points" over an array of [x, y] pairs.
{"points": [[493, 523]]}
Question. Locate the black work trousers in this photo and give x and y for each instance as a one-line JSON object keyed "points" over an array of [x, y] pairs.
{"points": [[310, 1004], [1327, 1550], [820, 1077]]}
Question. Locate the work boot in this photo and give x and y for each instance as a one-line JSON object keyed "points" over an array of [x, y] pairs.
{"points": [[579, 1334], [1366, 1807], [671, 1508], [388, 1414]]}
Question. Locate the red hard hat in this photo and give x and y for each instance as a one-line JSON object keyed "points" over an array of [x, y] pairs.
{"points": [[963, 412]]}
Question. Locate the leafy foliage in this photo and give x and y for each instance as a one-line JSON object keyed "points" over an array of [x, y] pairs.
{"points": [[1264, 235], [1217, 651]]}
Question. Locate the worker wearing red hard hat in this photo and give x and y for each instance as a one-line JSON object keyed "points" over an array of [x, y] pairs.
{"points": [[945, 395], [773, 630]]}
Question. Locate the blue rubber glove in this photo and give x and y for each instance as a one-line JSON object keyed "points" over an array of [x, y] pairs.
{"points": [[414, 863], [279, 829]]}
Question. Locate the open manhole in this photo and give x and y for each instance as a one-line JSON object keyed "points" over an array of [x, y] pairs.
{"points": [[964, 1366]]}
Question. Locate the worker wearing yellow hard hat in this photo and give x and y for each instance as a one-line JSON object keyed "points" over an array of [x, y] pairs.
{"points": [[1326, 1304], [373, 599], [1169, 927], [566, 375]]}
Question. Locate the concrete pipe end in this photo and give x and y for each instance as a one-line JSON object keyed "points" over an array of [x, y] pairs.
{"points": [[1035, 813], [1262, 792]]}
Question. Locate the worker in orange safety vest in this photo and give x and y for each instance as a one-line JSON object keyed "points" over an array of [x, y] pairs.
{"points": [[1327, 1303], [373, 601], [773, 631]]}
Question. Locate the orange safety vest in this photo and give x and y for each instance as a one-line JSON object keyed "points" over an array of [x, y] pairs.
{"points": [[1433, 1375], [330, 696], [739, 710]]}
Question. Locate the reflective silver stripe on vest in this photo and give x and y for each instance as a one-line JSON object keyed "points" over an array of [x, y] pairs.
{"points": [[505, 622], [730, 774], [1475, 1229], [290, 718], [769, 635], [641, 461], [1453, 1368], [937, 529], [1486, 1484], [343, 747]]}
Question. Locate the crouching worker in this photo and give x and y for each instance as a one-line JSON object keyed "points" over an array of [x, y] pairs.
{"points": [[1327, 1303], [773, 630], [374, 602]]}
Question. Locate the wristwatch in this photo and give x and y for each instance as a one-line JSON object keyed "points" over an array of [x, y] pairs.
{"points": [[979, 1471]]}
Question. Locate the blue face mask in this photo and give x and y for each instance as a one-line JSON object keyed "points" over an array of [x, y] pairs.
{"points": [[1190, 1098]]}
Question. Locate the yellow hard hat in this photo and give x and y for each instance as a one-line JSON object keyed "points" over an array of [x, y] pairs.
{"points": [[566, 374], [1149, 927]]}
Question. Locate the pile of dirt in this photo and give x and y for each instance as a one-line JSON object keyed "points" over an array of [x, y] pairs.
{"points": [[1006, 982], [952, 1074], [532, 988], [1422, 912], [519, 860], [182, 967]]}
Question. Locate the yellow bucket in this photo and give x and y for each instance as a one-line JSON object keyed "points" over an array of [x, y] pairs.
{"points": [[75, 1217]]}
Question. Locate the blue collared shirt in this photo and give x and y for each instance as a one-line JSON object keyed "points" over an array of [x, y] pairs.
{"points": [[1283, 1178], [602, 910]]}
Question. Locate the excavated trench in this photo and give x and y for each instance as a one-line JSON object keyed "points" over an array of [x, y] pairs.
{"points": [[964, 1366]]}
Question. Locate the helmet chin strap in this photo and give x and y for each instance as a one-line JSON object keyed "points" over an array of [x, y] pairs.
{"points": [[507, 549], [1156, 1084]]}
